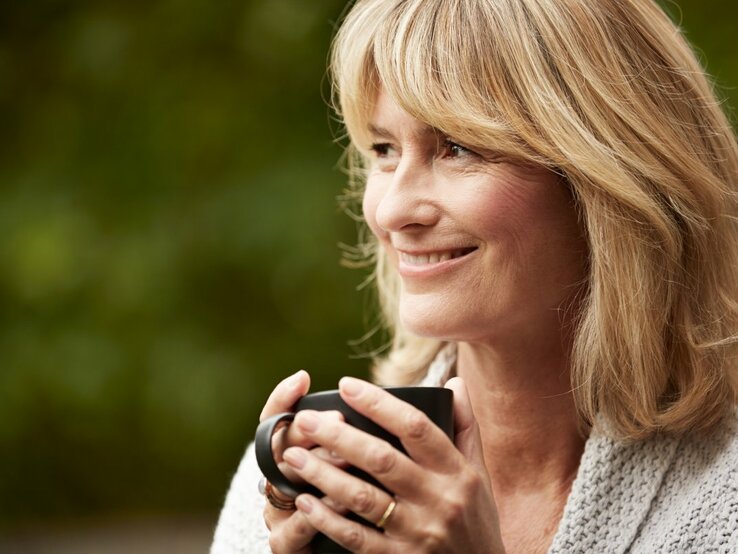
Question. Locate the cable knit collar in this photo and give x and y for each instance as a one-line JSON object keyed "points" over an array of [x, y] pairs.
{"points": [[612, 493]]}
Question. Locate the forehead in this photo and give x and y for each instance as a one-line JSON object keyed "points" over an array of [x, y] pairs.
{"points": [[388, 119]]}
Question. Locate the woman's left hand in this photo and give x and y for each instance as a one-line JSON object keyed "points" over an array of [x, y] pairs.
{"points": [[443, 498]]}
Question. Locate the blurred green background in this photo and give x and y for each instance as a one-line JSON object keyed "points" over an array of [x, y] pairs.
{"points": [[169, 241]]}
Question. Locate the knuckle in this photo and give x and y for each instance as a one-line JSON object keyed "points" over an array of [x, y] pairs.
{"points": [[318, 519], [454, 511], [454, 508], [283, 534], [334, 434], [335, 505], [417, 425], [352, 538], [467, 483], [299, 421], [382, 459], [363, 501], [470, 482], [433, 541], [292, 436], [301, 526], [328, 428], [374, 402]]}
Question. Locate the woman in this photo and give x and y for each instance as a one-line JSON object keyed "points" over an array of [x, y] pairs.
{"points": [[551, 191]]}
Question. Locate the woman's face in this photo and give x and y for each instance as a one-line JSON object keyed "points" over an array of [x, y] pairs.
{"points": [[484, 248]]}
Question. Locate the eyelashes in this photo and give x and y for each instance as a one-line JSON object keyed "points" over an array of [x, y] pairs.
{"points": [[455, 150], [380, 149], [447, 149]]}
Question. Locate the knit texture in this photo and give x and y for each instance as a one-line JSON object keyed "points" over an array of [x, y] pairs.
{"points": [[661, 495], [241, 528]]}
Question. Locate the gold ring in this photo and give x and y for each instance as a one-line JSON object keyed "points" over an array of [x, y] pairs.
{"points": [[387, 514], [279, 502]]}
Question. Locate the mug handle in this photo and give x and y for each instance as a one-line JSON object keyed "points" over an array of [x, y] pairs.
{"points": [[265, 457]]}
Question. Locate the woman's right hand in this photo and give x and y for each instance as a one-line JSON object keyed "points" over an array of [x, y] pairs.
{"points": [[290, 531]]}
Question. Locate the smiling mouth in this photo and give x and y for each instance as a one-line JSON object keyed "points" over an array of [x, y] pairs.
{"points": [[435, 257]]}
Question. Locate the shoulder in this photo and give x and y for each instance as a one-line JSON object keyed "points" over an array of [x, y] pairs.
{"points": [[697, 505], [659, 495], [241, 528], [710, 457]]}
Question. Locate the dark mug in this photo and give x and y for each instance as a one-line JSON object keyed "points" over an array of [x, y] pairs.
{"points": [[435, 402]]}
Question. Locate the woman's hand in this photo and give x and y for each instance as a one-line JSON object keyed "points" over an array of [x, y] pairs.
{"points": [[290, 530], [443, 498]]}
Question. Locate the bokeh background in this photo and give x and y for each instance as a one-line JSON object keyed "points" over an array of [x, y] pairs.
{"points": [[169, 249]]}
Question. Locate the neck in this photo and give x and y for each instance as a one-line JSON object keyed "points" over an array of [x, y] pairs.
{"points": [[521, 396]]}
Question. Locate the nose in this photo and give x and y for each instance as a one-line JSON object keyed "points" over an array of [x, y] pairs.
{"points": [[407, 202]]}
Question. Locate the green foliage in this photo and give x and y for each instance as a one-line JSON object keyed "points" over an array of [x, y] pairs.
{"points": [[168, 236], [168, 231]]}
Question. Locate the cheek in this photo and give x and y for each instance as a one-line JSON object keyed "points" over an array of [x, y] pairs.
{"points": [[492, 213], [515, 211]]}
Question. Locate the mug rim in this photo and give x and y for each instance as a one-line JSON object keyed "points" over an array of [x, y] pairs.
{"points": [[388, 389]]}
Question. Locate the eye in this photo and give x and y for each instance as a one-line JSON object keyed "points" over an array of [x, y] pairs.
{"points": [[381, 149], [452, 149]]}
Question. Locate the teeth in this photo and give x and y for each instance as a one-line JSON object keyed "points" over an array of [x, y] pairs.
{"points": [[436, 257]]}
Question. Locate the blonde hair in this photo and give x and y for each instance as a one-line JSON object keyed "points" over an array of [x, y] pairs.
{"points": [[610, 95]]}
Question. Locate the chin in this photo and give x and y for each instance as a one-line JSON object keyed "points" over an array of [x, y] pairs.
{"points": [[446, 321], [431, 320]]}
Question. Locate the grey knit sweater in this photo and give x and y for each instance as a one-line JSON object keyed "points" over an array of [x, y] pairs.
{"points": [[662, 495]]}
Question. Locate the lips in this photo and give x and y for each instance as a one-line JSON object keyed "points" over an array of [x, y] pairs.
{"points": [[419, 259]]}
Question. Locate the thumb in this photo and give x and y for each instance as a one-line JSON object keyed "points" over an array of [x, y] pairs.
{"points": [[286, 393], [467, 436]]}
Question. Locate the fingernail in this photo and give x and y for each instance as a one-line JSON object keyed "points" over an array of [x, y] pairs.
{"points": [[295, 457], [304, 504], [334, 414], [351, 386], [307, 422]]}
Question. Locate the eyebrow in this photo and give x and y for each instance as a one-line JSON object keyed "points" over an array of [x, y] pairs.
{"points": [[379, 131], [383, 132]]}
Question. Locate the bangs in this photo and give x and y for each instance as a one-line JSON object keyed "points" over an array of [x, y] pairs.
{"points": [[423, 55], [610, 96]]}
